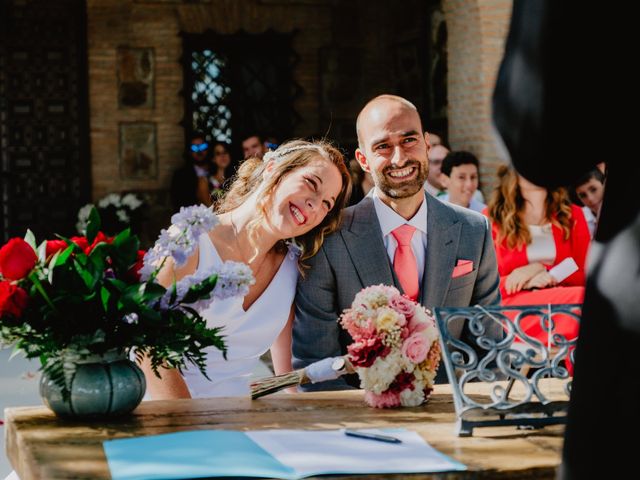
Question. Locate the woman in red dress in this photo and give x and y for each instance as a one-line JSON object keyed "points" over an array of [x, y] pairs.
{"points": [[535, 229]]}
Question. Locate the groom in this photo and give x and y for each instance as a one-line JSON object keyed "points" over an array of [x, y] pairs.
{"points": [[438, 254]]}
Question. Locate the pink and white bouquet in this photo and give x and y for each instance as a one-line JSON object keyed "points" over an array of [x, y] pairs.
{"points": [[395, 349]]}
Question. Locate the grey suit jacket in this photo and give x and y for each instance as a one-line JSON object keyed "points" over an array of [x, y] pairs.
{"points": [[355, 257]]}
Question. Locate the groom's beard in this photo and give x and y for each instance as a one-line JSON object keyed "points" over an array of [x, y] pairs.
{"points": [[401, 190]]}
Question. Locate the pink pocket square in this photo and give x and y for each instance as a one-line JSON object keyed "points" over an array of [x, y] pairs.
{"points": [[462, 268]]}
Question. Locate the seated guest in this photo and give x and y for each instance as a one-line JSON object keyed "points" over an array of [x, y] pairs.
{"points": [[535, 229], [253, 146], [434, 184], [434, 139], [190, 184], [590, 190], [460, 176], [222, 168]]}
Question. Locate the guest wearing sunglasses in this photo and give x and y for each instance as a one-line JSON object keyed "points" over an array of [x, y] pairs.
{"points": [[191, 183]]}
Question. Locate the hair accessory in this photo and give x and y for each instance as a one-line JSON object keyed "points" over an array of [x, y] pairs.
{"points": [[282, 152]]}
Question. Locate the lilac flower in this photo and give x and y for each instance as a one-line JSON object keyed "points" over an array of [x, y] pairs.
{"points": [[180, 240], [234, 279], [198, 219]]}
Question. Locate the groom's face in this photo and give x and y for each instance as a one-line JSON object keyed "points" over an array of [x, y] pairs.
{"points": [[393, 148]]}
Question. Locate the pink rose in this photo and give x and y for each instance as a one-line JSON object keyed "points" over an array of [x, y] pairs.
{"points": [[384, 400], [415, 348], [403, 305], [416, 325]]}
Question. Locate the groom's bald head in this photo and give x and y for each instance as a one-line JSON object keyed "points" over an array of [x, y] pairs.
{"points": [[378, 107]]}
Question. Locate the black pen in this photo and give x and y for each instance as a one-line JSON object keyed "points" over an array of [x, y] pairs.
{"points": [[372, 436]]}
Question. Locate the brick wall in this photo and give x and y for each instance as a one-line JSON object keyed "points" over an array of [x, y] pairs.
{"points": [[477, 31], [115, 23]]}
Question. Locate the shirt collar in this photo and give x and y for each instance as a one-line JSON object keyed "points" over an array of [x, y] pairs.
{"points": [[390, 220]]}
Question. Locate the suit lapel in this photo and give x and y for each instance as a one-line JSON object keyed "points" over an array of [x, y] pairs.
{"points": [[366, 248], [443, 236]]}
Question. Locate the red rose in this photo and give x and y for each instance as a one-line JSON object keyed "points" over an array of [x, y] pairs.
{"points": [[364, 352], [403, 381], [133, 274], [17, 259], [54, 246], [81, 242], [100, 238], [13, 300]]}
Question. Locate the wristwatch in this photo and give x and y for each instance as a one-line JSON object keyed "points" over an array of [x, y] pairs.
{"points": [[339, 366]]}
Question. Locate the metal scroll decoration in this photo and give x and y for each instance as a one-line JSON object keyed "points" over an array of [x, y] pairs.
{"points": [[528, 380]]}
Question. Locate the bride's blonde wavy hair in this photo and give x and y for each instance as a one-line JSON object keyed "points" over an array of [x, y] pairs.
{"points": [[249, 180], [507, 204]]}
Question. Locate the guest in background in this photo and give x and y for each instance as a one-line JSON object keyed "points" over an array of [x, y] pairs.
{"points": [[460, 173], [434, 139], [253, 146], [362, 182], [222, 168], [270, 143], [589, 189], [434, 184], [535, 229], [190, 184]]}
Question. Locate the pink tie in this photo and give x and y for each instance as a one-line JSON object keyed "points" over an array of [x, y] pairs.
{"points": [[404, 261]]}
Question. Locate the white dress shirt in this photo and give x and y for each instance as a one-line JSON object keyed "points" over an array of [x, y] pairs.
{"points": [[389, 220]]}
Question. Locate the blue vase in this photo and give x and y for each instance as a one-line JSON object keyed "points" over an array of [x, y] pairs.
{"points": [[103, 386]]}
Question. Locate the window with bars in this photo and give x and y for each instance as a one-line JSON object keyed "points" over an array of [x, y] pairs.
{"points": [[238, 84], [210, 95]]}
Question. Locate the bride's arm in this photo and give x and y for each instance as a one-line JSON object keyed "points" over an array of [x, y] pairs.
{"points": [[281, 348], [171, 385]]}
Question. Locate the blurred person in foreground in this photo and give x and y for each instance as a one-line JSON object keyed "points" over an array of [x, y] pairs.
{"points": [[544, 111]]}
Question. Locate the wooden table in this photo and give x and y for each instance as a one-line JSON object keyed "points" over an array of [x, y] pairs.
{"points": [[41, 446]]}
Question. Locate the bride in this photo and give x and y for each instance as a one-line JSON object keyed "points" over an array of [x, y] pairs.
{"points": [[297, 192]]}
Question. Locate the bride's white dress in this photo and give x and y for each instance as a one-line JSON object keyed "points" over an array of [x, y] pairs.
{"points": [[248, 334]]}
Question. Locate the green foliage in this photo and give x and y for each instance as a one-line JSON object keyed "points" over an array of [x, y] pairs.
{"points": [[90, 301]]}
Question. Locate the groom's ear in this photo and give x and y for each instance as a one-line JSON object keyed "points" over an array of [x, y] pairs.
{"points": [[362, 160]]}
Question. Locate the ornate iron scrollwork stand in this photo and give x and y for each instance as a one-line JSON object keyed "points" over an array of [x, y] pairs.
{"points": [[494, 349]]}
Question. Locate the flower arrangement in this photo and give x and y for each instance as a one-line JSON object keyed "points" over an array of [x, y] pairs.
{"points": [[395, 348], [117, 212], [70, 298]]}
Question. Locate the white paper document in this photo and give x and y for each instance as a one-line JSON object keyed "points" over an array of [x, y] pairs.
{"points": [[332, 452], [566, 267], [283, 454]]}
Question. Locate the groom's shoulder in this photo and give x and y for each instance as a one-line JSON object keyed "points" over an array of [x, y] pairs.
{"points": [[349, 215]]}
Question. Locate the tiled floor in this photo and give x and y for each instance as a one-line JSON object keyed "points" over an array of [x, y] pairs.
{"points": [[18, 386]]}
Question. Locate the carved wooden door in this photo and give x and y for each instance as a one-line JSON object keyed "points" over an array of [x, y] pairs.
{"points": [[43, 116]]}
